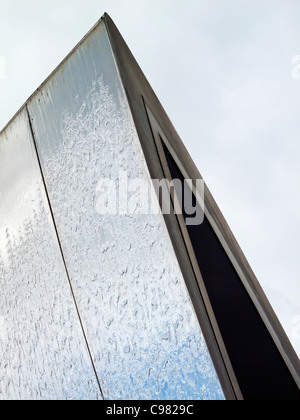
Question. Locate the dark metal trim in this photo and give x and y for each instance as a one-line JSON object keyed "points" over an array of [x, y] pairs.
{"points": [[158, 136], [136, 87]]}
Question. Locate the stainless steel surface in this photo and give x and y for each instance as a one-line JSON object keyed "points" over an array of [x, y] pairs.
{"points": [[42, 349], [141, 327]]}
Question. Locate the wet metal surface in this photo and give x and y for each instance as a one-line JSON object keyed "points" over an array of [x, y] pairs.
{"points": [[42, 349], [142, 331]]}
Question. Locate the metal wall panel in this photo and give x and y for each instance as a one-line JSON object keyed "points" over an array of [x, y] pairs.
{"points": [[43, 354], [140, 324]]}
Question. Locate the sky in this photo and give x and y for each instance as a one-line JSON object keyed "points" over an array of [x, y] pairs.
{"points": [[228, 74]]}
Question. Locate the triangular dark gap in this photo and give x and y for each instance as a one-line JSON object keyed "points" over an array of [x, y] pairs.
{"points": [[260, 370]]}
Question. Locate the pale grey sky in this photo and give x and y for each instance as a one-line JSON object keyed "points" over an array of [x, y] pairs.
{"points": [[224, 71]]}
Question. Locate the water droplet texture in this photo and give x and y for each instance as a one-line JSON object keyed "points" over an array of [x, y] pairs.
{"points": [[141, 328], [42, 349]]}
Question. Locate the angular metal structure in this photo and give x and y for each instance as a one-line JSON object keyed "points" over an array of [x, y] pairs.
{"points": [[122, 305]]}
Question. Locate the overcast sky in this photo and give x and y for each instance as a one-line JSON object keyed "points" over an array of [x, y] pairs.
{"points": [[226, 72]]}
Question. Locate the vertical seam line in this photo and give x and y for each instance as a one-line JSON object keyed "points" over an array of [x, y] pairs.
{"points": [[61, 251]]}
